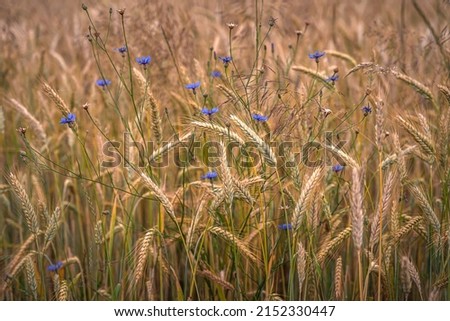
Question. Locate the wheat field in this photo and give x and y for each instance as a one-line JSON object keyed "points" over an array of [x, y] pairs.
{"points": [[225, 150]]}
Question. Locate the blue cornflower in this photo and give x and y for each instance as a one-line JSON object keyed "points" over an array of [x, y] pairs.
{"points": [[209, 112], [144, 61], [216, 74], [316, 55], [122, 50], [103, 83], [337, 168], [259, 117], [210, 175], [333, 78], [226, 60], [55, 267], [366, 110], [68, 120], [193, 86], [285, 226]]}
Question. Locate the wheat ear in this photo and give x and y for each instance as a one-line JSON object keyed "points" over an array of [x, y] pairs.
{"points": [[231, 95], [406, 229], [379, 124], [306, 196], [444, 132], [20, 254], [167, 147], [227, 236], [63, 292], [405, 277], [265, 149], [143, 254], [225, 173], [53, 224], [347, 159], [338, 279], [53, 95], [342, 56], [159, 195], [445, 91], [412, 270], [314, 74], [27, 208], [301, 267], [151, 103], [419, 87], [329, 247], [420, 138], [34, 123], [357, 208], [31, 277], [386, 201], [215, 278], [430, 215]]}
